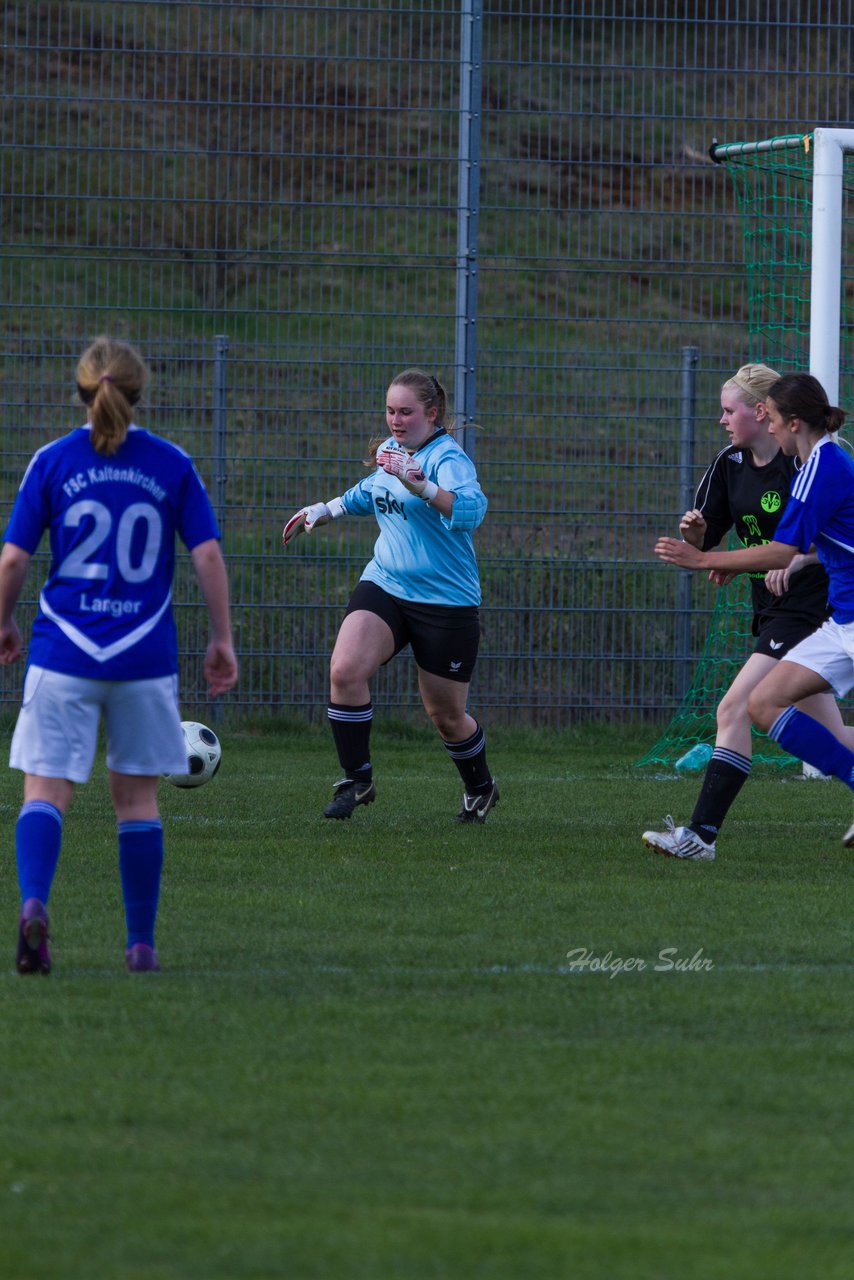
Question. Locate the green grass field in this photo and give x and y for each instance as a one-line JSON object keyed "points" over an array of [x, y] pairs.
{"points": [[367, 1055]]}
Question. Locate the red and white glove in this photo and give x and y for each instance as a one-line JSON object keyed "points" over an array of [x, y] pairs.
{"points": [[397, 462], [310, 517]]}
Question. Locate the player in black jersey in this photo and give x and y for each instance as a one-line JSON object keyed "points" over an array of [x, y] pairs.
{"points": [[746, 488]]}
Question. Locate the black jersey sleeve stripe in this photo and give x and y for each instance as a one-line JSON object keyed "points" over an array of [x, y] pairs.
{"points": [[701, 496]]}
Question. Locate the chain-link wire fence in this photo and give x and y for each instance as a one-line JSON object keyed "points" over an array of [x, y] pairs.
{"points": [[285, 204]]}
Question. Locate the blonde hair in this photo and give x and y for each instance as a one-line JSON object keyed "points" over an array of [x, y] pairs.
{"points": [[753, 382], [111, 377], [428, 391]]}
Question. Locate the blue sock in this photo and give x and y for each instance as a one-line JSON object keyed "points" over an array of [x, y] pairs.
{"points": [[140, 865], [805, 738], [38, 839]]}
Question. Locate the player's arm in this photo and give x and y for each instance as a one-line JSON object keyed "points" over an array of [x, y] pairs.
{"points": [[693, 526], [442, 501], [461, 507], [777, 580], [396, 462], [311, 517], [695, 530], [14, 564], [708, 521], [220, 666], [769, 555]]}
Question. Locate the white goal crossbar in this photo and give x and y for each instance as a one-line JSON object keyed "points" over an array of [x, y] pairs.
{"points": [[829, 147]]}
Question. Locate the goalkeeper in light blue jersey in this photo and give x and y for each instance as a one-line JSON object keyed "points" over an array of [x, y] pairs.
{"points": [[819, 515], [421, 588]]}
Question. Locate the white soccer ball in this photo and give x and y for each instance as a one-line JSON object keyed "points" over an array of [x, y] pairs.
{"points": [[204, 755]]}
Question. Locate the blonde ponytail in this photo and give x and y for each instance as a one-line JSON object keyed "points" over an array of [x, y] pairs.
{"points": [[111, 377]]}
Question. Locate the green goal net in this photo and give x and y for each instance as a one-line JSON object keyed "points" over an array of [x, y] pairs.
{"points": [[773, 182]]}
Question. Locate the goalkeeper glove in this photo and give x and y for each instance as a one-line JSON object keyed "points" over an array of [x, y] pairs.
{"points": [[310, 517], [397, 462]]}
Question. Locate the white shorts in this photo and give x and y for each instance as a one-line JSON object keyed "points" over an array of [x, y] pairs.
{"points": [[830, 653], [57, 730]]}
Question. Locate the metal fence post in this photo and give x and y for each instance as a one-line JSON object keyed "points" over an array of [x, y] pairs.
{"points": [[687, 430], [468, 205]]}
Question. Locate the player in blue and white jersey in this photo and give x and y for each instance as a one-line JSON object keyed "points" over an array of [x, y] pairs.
{"points": [[820, 514], [421, 588], [746, 489], [112, 497]]}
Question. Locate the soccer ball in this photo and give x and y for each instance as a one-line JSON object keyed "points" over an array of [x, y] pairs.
{"points": [[204, 755]]}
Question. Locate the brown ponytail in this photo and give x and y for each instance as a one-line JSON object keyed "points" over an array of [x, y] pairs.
{"points": [[800, 395]]}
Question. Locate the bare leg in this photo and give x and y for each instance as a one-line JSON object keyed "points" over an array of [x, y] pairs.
{"points": [[733, 719], [445, 703], [56, 791], [790, 683], [363, 644], [134, 797]]}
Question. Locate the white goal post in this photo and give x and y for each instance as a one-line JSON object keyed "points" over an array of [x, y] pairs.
{"points": [[829, 147]]}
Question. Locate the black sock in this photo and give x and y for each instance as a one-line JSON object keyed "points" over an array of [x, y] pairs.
{"points": [[726, 774], [351, 731], [470, 758]]}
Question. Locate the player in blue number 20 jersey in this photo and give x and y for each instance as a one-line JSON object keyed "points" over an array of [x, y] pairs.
{"points": [[112, 498], [819, 514], [420, 588]]}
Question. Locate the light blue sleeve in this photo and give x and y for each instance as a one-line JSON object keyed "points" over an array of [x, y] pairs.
{"points": [[468, 510], [454, 472], [358, 500], [457, 475]]}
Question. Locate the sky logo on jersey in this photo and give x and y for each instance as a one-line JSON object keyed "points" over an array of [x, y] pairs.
{"points": [[389, 506], [771, 501]]}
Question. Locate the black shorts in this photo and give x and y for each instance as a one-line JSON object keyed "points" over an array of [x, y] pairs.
{"points": [[777, 633], [444, 639]]}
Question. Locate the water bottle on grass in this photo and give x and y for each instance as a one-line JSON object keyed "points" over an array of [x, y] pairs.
{"points": [[697, 758]]}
